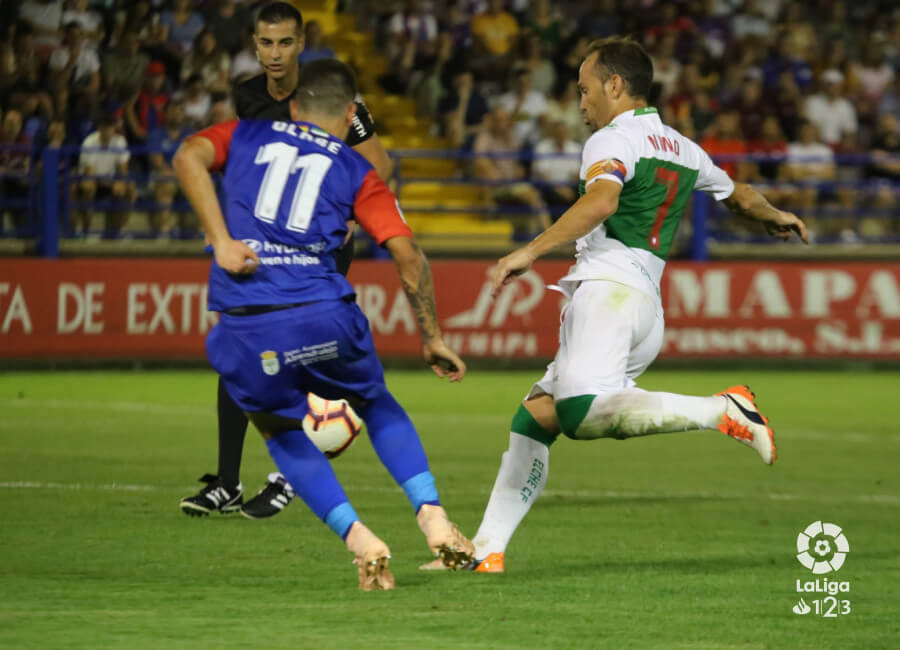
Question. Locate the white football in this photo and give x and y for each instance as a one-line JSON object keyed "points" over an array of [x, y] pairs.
{"points": [[332, 425]]}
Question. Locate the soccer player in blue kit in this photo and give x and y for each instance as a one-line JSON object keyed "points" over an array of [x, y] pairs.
{"points": [[289, 324]]}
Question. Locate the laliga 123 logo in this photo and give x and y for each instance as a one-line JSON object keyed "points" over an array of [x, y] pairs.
{"points": [[822, 548]]}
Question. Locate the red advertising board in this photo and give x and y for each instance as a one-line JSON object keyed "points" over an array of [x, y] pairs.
{"points": [[107, 309]]}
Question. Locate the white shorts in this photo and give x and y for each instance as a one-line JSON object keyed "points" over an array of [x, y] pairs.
{"points": [[609, 334]]}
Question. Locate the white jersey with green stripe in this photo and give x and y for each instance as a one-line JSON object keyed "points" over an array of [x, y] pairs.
{"points": [[658, 169]]}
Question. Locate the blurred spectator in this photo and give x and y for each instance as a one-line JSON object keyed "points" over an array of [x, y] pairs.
{"points": [[228, 21], [563, 107], [890, 99], [567, 65], [603, 20], [548, 26], [75, 70], [415, 28], [197, 102], [831, 112], [666, 68], [20, 81], [834, 24], [180, 27], [498, 163], [15, 163], [690, 103], [140, 22], [525, 105], [459, 28], [314, 47], [714, 29], [670, 22], [104, 161], [494, 32], [530, 55], [162, 142], [91, 23], [835, 56], [412, 45], [751, 106], [246, 63], [798, 31], [770, 150], [56, 134], [884, 171], [810, 167], [724, 143], [786, 59], [729, 88], [751, 23], [875, 77], [427, 86], [787, 101], [123, 68], [143, 112], [209, 62], [557, 163], [44, 17], [462, 109]]}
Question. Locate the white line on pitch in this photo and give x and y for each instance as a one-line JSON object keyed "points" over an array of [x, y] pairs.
{"points": [[888, 499], [499, 419]]}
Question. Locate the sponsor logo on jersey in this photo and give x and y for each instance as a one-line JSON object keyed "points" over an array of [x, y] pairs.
{"points": [[612, 166], [269, 360]]}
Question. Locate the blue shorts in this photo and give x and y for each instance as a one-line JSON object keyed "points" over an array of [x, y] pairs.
{"points": [[270, 361]]}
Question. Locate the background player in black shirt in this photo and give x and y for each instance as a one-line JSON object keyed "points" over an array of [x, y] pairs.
{"points": [[279, 40]]}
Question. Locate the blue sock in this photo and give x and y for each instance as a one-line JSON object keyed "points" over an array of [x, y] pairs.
{"points": [[420, 490], [313, 480], [398, 447]]}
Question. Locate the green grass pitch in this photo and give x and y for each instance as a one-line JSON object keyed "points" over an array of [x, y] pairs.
{"points": [[678, 541]]}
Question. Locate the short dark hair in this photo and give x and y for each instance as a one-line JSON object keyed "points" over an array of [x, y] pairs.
{"points": [[625, 57], [325, 86], [276, 12]]}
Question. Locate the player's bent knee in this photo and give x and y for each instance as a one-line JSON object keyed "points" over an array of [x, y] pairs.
{"points": [[526, 424], [570, 413]]}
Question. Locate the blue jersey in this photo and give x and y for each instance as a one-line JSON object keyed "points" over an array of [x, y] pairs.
{"points": [[289, 189]]}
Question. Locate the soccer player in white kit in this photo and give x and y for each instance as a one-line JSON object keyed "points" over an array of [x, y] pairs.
{"points": [[637, 175]]}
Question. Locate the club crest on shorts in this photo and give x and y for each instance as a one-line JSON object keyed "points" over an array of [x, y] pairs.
{"points": [[269, 360]]}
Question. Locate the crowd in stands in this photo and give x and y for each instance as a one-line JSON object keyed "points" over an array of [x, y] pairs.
{"points": [[798, 86], [802, 86]]}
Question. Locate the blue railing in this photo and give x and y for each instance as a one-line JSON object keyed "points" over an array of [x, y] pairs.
{"points": [[43, 208]]}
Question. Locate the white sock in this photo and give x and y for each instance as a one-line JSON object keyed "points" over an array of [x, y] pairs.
{"points": [[520, 480], [635, 412]]}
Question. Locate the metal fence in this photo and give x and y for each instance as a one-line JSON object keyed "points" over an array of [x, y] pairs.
{"points": [[37, 205]]}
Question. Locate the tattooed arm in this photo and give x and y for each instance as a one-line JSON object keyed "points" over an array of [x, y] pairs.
{"points": [[415, 276]]}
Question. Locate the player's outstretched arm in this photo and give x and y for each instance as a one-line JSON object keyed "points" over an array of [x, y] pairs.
{"points": [[597, 205], [415, 276], [747, 202], [192, 163]]}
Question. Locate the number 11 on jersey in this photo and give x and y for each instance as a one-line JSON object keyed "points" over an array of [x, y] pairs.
{"points": [[281, 161]]}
